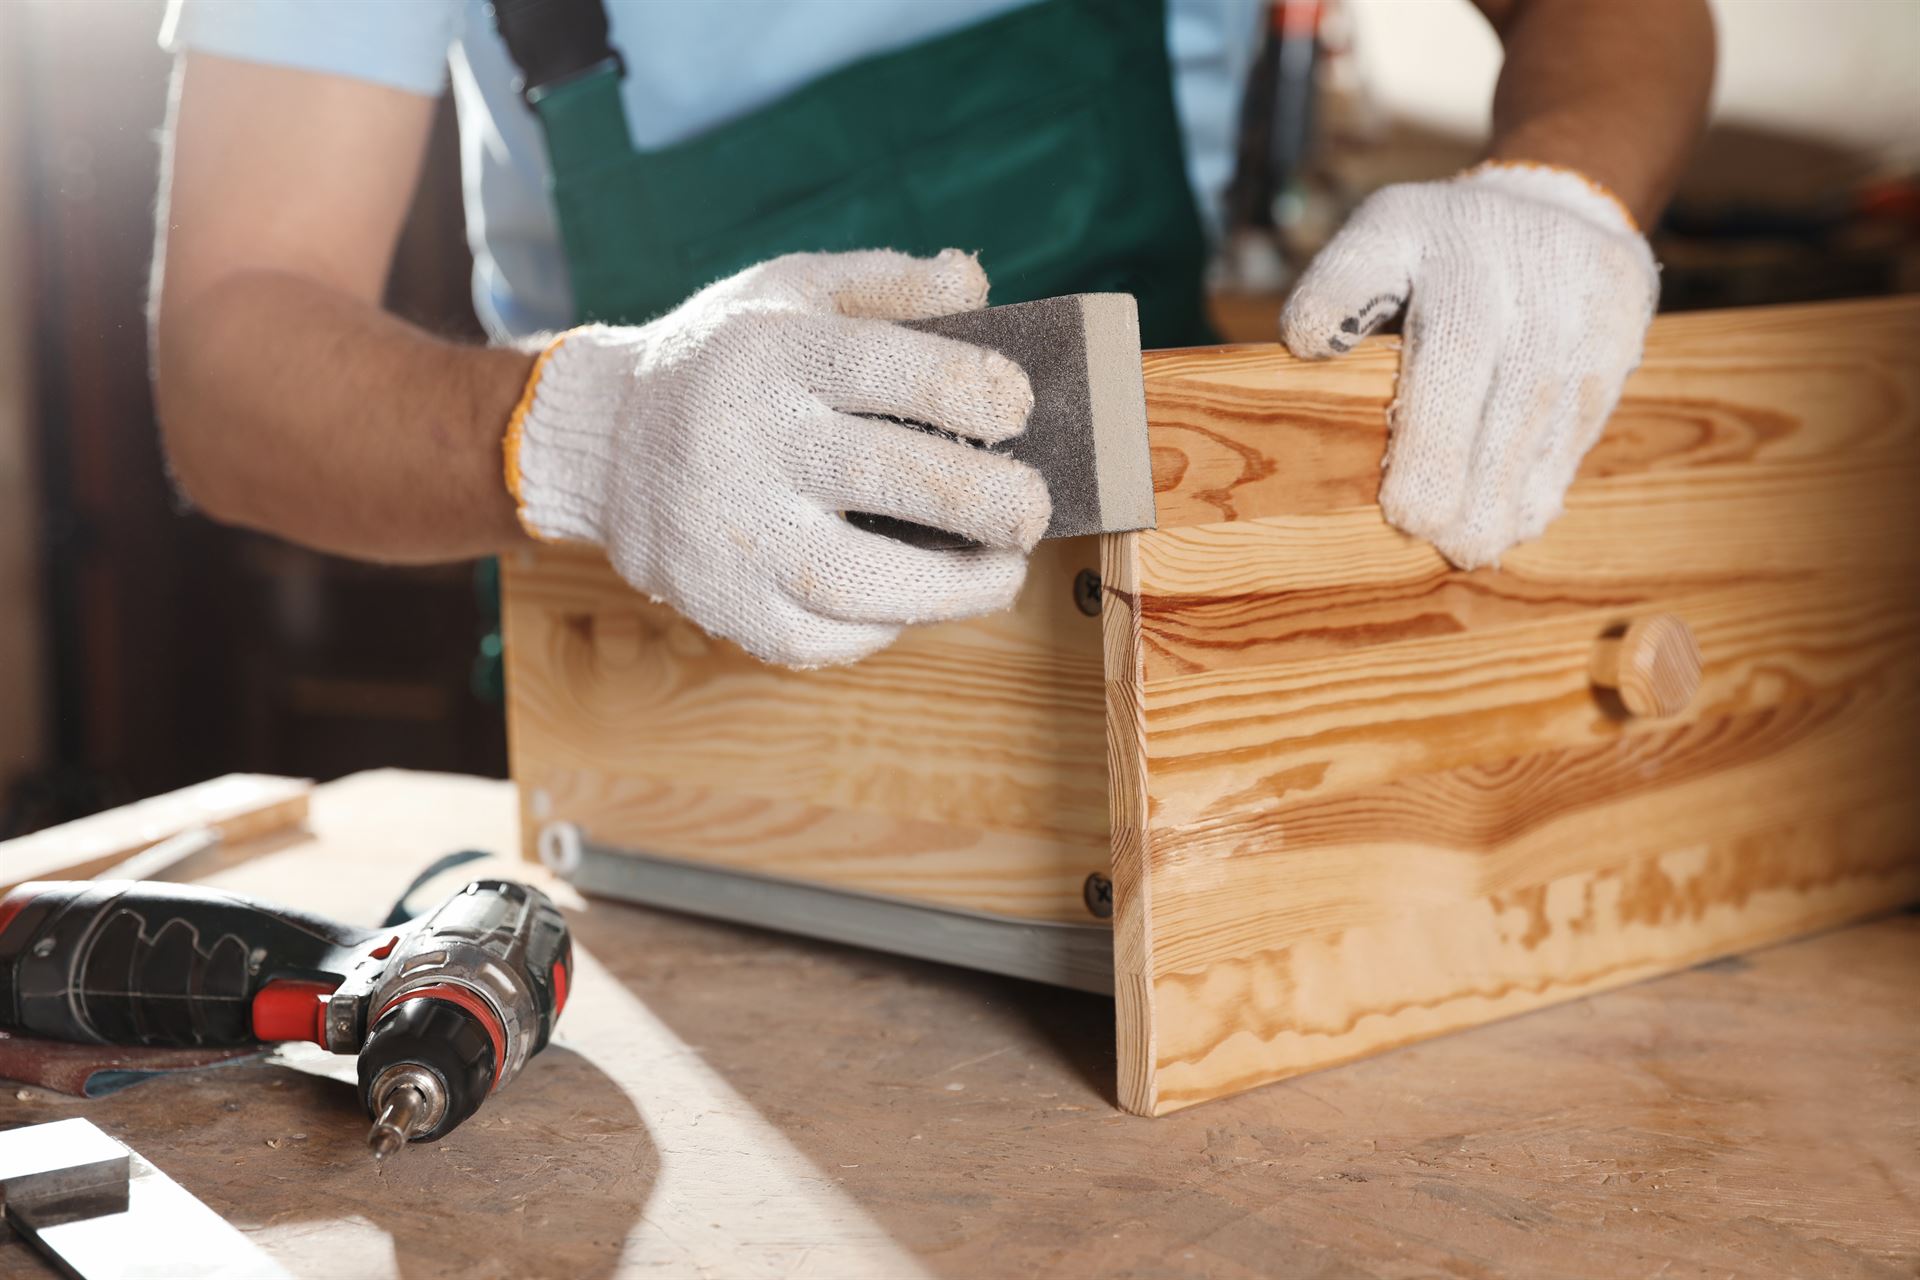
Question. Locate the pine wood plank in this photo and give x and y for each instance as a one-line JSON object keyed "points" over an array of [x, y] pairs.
{"points": [[1011, 872], [1235, 595], [1381, 798], [240, 806], [960, 766], [1262, 736], [1356, 859], [1131, 821], [1244, 432], [1348, 993]]}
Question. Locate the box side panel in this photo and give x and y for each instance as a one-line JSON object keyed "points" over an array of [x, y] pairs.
{"points": [[1386, 800], [1337, 995], [961, 766]]}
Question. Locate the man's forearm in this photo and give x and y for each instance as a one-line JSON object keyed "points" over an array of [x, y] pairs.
{"points": [[295, 409], [1617, 89]]}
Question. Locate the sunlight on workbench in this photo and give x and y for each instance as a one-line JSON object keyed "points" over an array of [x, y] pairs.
{"points": [[730, 1185]]}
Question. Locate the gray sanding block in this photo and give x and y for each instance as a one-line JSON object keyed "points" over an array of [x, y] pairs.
{"points": [[1087, 434]]}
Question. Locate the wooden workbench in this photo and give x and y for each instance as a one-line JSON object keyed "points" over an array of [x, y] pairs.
{"points": [[730, 1103]]}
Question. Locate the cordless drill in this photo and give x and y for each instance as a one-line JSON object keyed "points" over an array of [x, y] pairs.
{"points": [[442, 1010]]}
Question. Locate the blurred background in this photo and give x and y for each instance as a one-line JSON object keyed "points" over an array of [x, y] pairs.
{"points": [[142, 648]]}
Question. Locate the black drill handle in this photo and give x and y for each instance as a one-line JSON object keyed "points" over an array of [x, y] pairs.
{"points": [[148, 963]]}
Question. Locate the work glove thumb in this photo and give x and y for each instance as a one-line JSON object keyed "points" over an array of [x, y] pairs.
{"points": [[1358, 282]]}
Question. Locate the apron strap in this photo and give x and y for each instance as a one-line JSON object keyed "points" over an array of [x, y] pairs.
{"points": [[553, 42]]}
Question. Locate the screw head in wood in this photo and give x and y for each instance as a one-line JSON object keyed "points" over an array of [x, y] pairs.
{"points": [[1086, 592], [1653, 665], [559, 847], [1098, 892]]}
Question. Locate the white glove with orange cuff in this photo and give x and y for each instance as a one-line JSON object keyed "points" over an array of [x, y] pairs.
{"points": [[1528, 291], [713, 451]]}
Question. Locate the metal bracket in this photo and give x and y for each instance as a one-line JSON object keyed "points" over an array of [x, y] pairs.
{"points": [[1067, 955]]}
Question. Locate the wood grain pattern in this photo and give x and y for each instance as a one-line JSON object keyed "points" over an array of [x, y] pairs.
{"points": [[961, 766], [1342, 994], [240, 806], [1383, 799], [1244, 432], [1130, 820]]}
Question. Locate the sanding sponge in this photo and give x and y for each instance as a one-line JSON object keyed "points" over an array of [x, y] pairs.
{"points": [[1087, 434]]}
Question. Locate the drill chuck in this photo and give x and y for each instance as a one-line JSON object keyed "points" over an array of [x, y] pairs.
{"points": [[436, 1040]]}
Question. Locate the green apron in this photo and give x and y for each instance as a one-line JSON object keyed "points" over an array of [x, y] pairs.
{"points": [[1044, 138]]}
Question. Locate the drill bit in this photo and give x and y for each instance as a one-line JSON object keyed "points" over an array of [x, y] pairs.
{"points": [[401, 1108]]}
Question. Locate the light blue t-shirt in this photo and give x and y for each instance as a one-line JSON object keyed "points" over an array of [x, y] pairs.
{"points": [[691, 64]]}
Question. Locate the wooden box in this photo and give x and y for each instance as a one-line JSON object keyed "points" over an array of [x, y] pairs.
{"points": [[1347, 796]]}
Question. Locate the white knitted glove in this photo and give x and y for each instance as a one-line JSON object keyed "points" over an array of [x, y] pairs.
{"points": [[713, 451], [1528, 293]]}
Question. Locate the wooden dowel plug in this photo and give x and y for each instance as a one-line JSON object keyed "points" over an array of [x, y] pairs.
{"points": [[1654, 665]]}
